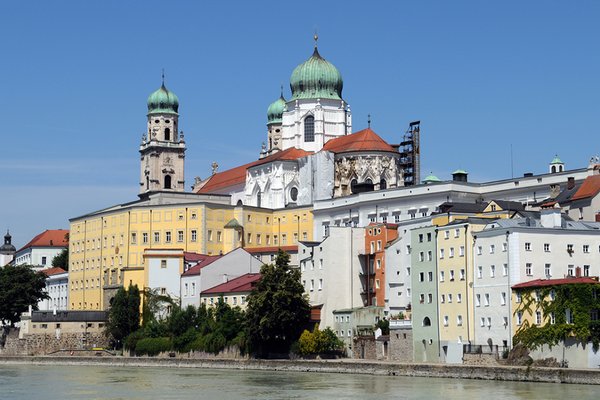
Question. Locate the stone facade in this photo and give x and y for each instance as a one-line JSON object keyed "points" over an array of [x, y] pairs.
{"points": [[401, 345], [46, 343], [380, 169]]}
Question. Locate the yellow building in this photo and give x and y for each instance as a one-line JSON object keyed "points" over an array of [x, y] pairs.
{"points": [[106, 247]]}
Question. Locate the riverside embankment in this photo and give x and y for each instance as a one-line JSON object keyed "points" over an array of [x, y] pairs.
{"points": [[498, 373]]}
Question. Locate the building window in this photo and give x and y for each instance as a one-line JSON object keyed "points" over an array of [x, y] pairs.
{"points": [[477, 300], [209, 235], [528, 269], [504, 269], [492, 271], [492, 248], [586, 248], [538, 317], [429, 256], [194, 235], [145, 238], [479, 271], [446, 234], [451, 275], [459, 320], [430, 276], [163, 263], [552, 318], [167, 237], [586, 270], [459, 298], [486, 300], [194, 215], [133, 238], [503, 299], [527, 246], [309, 129], [456, 232], [449, 297], [482, 321], [479, 250], [441, 276], [547, 247], [445, 320], [441, 254], [321, 284], [461, 251], [180, 236], [504, 247], [443, 298], [548, 270], [462, 274], [451, 254], [519, 317], [44, 260], [156, 237], [421, 238]]}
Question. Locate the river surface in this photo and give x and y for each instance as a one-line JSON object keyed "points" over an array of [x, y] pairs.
{"points": [[20, 382]]}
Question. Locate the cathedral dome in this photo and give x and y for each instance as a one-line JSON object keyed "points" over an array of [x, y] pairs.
{"points": [[316, 78], [275, 111], [163, 101]]}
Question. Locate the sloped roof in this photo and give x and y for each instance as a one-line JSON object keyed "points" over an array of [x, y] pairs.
{"points": [[49, 238], [554, 282], [53, 271], [272, 249], [365, 140], [244, 283], [237, 175], [195, 270], [589, 188], [191, 257]]}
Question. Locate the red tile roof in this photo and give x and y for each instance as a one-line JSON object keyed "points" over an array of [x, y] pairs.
{"points": [[237, 176], [554, 282], [244, 283], [589, 188], [272, 249], [365, 140], [195, 270], [190, 257], [53, 271], [49, 238]]}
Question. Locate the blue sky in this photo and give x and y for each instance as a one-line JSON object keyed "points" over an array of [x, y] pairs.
{"points": [[480, 75]]}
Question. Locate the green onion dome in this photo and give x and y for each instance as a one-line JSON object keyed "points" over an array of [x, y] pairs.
{"points": [[556, 160], [275, 111], [431, 178], [316, 78], [163, 101]]}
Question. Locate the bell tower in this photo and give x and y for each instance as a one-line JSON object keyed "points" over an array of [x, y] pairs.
{"points": [[162, 148]]}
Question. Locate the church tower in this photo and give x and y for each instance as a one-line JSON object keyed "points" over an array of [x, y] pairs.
{"points": [[316, 112], [274, 115], [163, 148]]}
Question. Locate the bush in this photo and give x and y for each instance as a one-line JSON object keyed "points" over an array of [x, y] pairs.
{"points": [[307, 344], [318, 342], [183, 342], [152, 346], [132, 339]]}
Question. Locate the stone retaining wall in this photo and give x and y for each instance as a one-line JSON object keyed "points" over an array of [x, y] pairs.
{"points": [[40, 344], [502, 373]]}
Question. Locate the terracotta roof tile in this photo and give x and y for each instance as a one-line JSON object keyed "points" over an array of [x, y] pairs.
{"points": [[244, 283], [236, 176], [272, 249], [53, 271], [365, 140], [589, 188], [195, 270], [553, 282], [49, 238]]}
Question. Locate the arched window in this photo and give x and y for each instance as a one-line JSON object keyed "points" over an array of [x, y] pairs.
{"points": [[167, 181], [167, 134], [426, 321], [309, 129], [369, 181], [353, 183], [294, 193], [382, 184], [553, 168], [240, 203]]}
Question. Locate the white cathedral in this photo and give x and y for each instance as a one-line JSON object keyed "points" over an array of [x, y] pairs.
{"points": [[311, 154]]}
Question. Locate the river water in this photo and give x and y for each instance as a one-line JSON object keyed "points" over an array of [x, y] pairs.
{"points": [[29, 382]]}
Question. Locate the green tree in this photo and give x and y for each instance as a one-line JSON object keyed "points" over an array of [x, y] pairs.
{"points": [[61, 260], [20, 287], [278, 310], [124, 315]]}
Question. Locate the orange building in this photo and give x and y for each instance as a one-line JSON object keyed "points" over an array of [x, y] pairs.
{"points": [[377, 237]]}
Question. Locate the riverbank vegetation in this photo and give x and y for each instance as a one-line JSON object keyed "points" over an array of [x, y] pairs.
{"points": [[277, 313]]}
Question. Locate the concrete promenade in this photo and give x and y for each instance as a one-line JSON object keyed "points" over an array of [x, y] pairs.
{"points": [[501, 373]]}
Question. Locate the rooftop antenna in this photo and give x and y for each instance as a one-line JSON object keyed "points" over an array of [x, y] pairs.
{"points": [[369, 120], [163, 77]]}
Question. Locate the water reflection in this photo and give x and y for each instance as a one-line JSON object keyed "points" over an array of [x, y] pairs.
{"points": [[104, 382]]}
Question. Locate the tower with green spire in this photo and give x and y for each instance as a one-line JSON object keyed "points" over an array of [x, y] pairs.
{"points": [[162, 148], [274, 118], [316, 111], [556, 165]]}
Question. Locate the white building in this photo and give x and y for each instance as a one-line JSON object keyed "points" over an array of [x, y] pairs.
{"points": [[331, 272], [7, 250], [512, 251], [43, 248], [164, 268], [214, 270], [57, 287]]}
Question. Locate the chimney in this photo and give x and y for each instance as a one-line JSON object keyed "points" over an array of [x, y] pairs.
{"points": [[597, 217], [554, 191], [551, 217], [570, 182]]}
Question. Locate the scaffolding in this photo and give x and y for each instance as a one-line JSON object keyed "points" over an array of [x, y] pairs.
{"points": [[410, 154]]}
